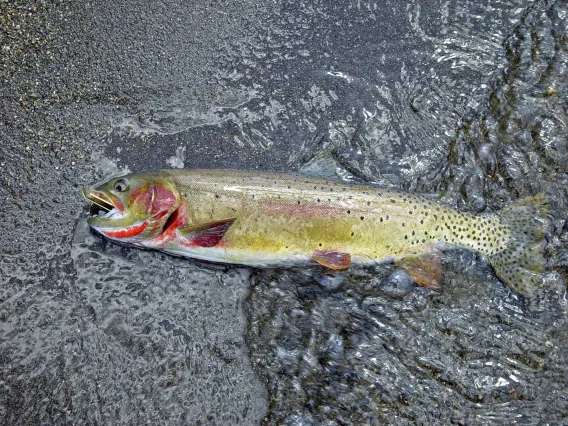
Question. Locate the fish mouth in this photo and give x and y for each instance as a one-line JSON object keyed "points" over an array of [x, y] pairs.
{"points": [[108, 218], [103, 205]]}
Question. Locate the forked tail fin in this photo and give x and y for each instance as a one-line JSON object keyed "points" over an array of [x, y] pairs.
{"points": [[521, 263]]}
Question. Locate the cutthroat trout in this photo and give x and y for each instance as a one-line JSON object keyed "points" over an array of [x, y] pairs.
{"points": [[272, 219]]}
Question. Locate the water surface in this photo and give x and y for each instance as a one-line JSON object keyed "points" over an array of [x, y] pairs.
{"points": [[465, 101]]}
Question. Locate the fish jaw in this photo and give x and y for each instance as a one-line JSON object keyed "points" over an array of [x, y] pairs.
{"points": [[108, 214], [126, 232], [104, 200]]}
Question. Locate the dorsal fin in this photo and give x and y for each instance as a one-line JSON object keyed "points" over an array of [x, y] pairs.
{"points": [[325, 165]]}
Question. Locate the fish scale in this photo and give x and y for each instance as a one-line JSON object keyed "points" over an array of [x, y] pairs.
{"points": [[383, 222], [272, 219]]}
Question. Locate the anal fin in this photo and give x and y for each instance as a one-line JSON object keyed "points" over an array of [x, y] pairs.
{"points": [[206, 234], [332, 259], [424, 267]]}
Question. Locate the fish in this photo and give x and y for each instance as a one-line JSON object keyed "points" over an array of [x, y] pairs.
{"points": [[263, 219]]}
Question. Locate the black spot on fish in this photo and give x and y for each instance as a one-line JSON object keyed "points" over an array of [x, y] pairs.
{"points": [[362, 217], [348, 211], [353, 233], [381, 219]]}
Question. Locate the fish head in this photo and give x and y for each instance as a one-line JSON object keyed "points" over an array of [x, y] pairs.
{"points": [[132, 208]]}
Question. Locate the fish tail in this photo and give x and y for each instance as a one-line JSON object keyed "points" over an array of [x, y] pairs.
{"points": [[521, 263]]}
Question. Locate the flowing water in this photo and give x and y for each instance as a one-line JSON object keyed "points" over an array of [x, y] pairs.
{"points": [[466, 101]]}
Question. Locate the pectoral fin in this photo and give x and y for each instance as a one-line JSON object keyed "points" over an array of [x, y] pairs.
{"points": [[424, 267], [332, 259], [206, 234]]}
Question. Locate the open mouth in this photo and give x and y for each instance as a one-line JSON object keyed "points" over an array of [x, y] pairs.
{"points": [[101, 204], [109, 207]]}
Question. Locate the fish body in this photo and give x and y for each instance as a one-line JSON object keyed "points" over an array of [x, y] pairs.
{"points": [[273, 219]]}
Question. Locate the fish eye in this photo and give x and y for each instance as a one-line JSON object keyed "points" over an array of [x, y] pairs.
{"points": [[121, 185]]}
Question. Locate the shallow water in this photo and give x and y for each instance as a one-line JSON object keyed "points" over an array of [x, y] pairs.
{"points": [[462, 100]]}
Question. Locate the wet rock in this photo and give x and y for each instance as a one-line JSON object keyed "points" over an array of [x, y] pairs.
{"points": [[398, 284]]}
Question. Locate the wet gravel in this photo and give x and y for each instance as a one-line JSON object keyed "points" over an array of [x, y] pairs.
{"points": [[463, 100]]}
